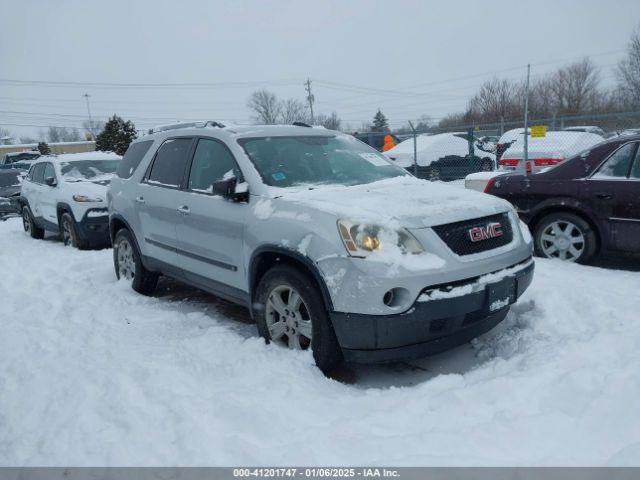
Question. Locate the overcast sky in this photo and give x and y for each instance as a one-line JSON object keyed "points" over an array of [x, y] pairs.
{"points": [[407, 57]]}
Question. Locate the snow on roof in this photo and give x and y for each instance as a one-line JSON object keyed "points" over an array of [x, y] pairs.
{"points": [[425, 142], [561, 144], [74, 157]]}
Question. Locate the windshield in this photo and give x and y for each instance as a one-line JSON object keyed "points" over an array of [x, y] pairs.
{"points": [[317, 160], [10, 179], [94, 170]]}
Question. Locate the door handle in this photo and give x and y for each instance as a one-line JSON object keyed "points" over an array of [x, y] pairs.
{"points": [[140, 199], [604, 196], [184, 210]]}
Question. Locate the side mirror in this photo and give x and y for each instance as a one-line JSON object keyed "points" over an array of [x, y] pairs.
{"points": [[228, 189], [51, 181]]}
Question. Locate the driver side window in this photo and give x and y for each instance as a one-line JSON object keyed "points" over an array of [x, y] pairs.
{"points": [[212, 162]]}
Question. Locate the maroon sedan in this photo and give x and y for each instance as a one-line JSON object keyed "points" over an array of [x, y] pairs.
{"points": [[585, 205]]}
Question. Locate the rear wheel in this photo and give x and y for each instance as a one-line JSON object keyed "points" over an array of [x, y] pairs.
{"points": [[128, 265], [294, 316], [29, 224], [565, 236], [69, 231]]}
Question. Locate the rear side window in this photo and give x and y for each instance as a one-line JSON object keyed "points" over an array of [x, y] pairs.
{"points": [[635, 170], [170, 161], [618, 164], [132, 158]]}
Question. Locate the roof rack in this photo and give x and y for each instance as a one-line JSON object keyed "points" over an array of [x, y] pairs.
{"points": [[301, 124], [175, 126]]}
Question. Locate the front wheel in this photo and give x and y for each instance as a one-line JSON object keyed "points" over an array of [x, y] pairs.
{"points": [[69, 231], [565, 236], [293, 315], [128, 265]]}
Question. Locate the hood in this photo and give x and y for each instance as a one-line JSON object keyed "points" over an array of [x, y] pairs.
{"points": [[402, 201], [88, 188]]}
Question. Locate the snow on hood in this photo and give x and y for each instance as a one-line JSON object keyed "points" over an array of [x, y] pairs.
{"points": [[401, 201]]}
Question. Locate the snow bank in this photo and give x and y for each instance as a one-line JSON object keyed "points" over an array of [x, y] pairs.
{"points": [[94, 374]]}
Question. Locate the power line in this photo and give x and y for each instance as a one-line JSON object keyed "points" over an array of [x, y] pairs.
{"points": [[54, 83]]}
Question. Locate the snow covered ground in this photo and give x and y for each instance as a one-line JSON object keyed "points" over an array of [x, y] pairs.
{"points": [[93, 374]]}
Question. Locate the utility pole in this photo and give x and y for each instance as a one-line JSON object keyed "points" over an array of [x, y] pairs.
{"points": [[526, 121], [310, 98], [86, 97]]}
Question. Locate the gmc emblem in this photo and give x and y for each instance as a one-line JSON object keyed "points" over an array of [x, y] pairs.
{"points": [[491, 230]]}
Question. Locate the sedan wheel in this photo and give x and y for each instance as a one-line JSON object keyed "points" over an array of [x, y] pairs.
{"points": [[288, 319], [562, 239], [126, 263]]}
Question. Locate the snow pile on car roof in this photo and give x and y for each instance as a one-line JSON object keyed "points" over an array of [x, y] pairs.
{"points": [[562, 144]]}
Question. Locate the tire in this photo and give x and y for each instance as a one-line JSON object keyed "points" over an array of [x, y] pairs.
{"points": [[565, 236], [433, 174], [128, 265], [69, 232], [310, 317], [487, 165], [29, 224]]}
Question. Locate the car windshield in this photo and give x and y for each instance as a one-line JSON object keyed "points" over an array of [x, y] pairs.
{"points": [[316, 160], [10, 179], [94, 170]]}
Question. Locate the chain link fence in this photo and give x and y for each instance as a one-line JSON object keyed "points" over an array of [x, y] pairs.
{"points": [[454, 152]]}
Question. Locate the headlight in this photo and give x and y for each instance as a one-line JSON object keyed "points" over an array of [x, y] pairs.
{"points": [[85, 198], [362, 239]]}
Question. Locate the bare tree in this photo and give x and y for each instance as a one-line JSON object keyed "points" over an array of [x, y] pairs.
{"points": [[266, 107], [496, 99], [292, 110], [628, 72], [63, 134], [93, 127], [574, 88], [332, 122], [6, 137]]}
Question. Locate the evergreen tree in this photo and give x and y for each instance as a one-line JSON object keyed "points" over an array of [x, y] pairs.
{"points": [[43, 148], [380, 123], [116, 136]]}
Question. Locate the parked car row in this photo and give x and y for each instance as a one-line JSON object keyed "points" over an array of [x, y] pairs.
{"points": [[330, 245]]}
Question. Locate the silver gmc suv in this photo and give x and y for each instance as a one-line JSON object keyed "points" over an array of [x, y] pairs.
{"points": [[328, 244]]}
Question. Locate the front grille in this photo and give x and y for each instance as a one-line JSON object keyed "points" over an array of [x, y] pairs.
{"points": [[457, 236]]}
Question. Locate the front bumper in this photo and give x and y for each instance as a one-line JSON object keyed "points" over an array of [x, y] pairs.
{"points": [[435, 325], [93, 228]]}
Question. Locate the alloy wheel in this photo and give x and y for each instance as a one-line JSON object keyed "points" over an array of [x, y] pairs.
{"points": [[126, 263], [287, 318], [562, 239]]}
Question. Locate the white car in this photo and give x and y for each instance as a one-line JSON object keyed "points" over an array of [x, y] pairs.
{"points": [[444, 156], [66, 194], [543, 152]]}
